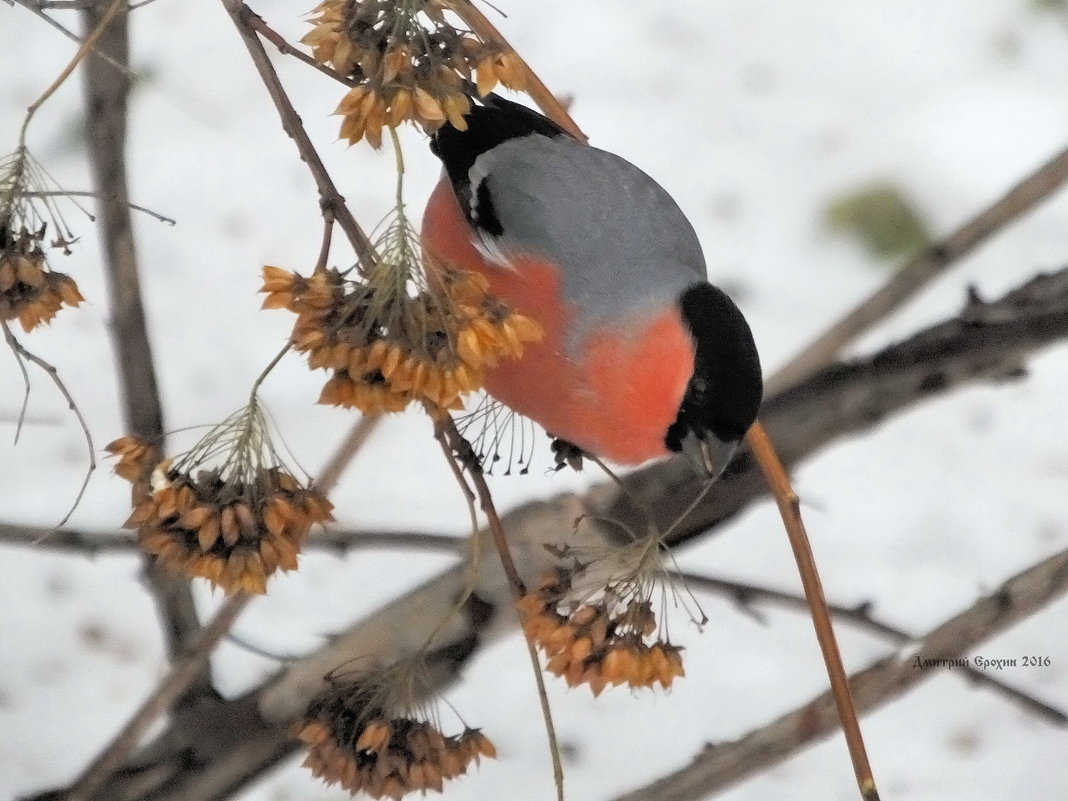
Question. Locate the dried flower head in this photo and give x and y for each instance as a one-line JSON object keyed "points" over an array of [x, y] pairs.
{"points": [[368, 734], [227, 510], [30, 290], [409, 60], [135, 458], [606, 637], [389, 337]]}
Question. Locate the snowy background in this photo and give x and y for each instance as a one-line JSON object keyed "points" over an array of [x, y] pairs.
{"points": [[754, 114]]}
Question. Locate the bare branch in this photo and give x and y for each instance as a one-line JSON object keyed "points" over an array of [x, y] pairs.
{"points": [[861, 617], [329, 197], [339, 541], [720, 766], [22, 353], [988, 340], [38, 8], [346, 451], [182, 673], [924, 268], [106, 93]]}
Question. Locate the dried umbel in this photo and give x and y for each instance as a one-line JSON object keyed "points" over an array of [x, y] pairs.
{"points": [[30, 291], [409, 61], [386, 346], [226, 511], [362, 735], [603, 642]]}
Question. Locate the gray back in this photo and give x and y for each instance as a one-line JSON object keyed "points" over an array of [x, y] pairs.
{"points": [[623, 244]]}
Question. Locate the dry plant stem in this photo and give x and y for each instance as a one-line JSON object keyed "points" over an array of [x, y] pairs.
{"points": [[20, 354], [258, 24], [100, 26], [723, 765], [790, 510], [775, 476], [743, 594], [358, 435], [106, 91], [916, 274], [97, 543], [329, 198], [182, 673], [462, 448], [96, 196], [38, 9], [537, 90]]}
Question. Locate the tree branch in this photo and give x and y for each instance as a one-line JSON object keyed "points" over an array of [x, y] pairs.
{"points": [[924, 268], [94, 543], [106, 93], [860, 616], [986, 341], [719, 766]]}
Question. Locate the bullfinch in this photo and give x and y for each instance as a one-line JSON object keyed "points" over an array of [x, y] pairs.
{"points": [[641, 357]]}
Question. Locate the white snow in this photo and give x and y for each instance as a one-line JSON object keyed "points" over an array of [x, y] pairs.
{"points": [[753, 114]]}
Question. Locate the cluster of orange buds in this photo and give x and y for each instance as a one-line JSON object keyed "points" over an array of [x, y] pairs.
{"points": [[408, 61], [386, 349], [29, 290], [601, 644], [135, 458], [356, 744], [233, 528]]}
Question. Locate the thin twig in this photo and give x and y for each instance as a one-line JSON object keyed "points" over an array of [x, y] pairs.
{"points": [[790, 510], [463, 451], [90, 42], [920, 271], [329, 197], [358, 435], [38, 10], [21, 353], [743, 593], [261, 27], [104, 542], [182, 673], [771, 467], [723, 765], [537, 90], [98, 196]]}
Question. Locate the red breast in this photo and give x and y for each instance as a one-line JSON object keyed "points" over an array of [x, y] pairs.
{"points": [[615, 392]]}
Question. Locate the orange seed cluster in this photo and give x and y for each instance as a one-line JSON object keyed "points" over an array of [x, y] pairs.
{"points": [[600, 644], [29, 290], [233, 532], [386, 758], [385, 353], [409, 63]]}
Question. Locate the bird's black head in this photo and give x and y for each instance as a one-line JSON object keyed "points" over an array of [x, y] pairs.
{"points": [[724, 394], [488, 125]]}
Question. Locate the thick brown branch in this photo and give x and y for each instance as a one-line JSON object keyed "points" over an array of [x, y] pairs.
{"points": [[723, 765], [988, 340], [924, 268], [860, 616], [181, 675], [106, 93]]}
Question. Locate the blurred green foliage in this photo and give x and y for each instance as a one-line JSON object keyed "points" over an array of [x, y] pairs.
{"points": [[880, 218]]}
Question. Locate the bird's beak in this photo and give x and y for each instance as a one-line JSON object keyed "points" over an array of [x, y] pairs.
{"points": [[709, 455]]}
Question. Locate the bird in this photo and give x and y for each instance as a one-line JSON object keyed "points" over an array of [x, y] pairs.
{"points": [[642, 357]]}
